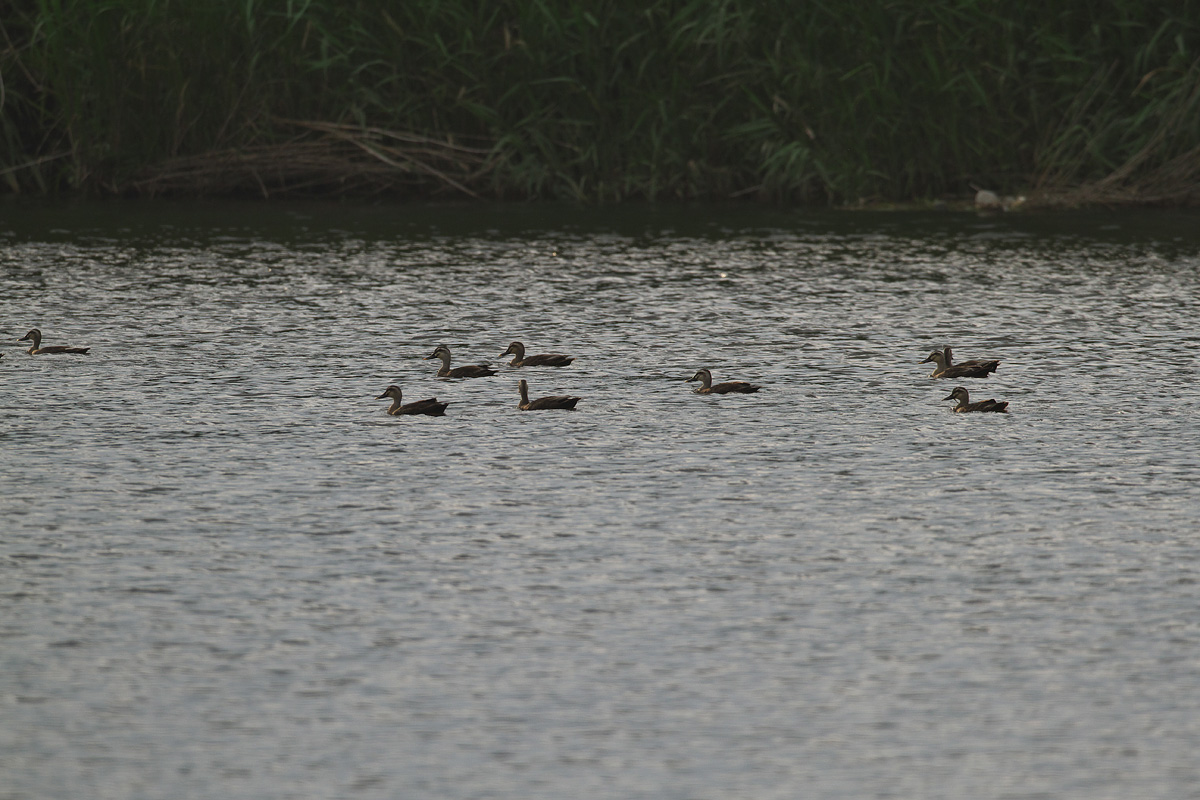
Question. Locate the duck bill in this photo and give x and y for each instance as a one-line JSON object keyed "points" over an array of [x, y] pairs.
{"points": [[950, 397]]}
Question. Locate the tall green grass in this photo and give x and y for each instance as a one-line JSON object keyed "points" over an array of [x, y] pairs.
{"points": [[803, 101]]}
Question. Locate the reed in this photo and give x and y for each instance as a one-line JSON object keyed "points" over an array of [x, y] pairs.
{"points": [[815, 102]]}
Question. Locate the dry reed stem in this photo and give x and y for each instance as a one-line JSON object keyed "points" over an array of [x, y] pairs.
{"points": [[344, 159]]}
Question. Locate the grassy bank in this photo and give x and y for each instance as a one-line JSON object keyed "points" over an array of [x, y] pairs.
{"points": [[791, 101]]}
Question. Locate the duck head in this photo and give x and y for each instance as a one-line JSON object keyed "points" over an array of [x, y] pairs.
{"points": [[960, 394]]}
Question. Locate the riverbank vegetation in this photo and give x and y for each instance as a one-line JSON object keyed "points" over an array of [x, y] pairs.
{"points": [[806, 102]]}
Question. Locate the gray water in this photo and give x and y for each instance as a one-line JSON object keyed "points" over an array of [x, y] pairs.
{"points": [[227, 573]]}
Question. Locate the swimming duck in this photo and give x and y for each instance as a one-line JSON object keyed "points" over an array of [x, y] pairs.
{"points": [[471, 371], [729, 387], [430, 407], [35, 336], [543, 403], [968, 369], [517, 350], [964, 402]]}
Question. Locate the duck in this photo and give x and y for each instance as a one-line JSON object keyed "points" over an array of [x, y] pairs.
{"points": [[946, 368], [35, 336], [471, 371], [964, 402], [729, 387], [430, 407], [517, 350], [544, 403]]}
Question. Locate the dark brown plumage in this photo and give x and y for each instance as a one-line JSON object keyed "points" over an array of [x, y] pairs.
{"points": [[964, 402], [968, 369], [975, 362], [729, 387], [430, 407], [517, 351], [544, 403], [35, 336], [471, 371]]}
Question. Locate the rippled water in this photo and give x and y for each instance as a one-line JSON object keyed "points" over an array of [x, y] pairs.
{"points": [[225, 572]]}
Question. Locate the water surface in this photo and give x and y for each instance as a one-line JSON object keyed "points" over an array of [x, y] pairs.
{"points": [[226, 572]]}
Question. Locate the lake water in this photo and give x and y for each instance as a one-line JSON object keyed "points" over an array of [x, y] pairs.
{"points": [[225, 572]]}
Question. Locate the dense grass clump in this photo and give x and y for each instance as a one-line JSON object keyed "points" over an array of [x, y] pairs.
{"points": [[793, 101]]}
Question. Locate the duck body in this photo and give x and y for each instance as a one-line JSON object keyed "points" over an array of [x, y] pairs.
{"points": [[949, 354], [562, 401], [430, 407], [728, 387], [517, 351], [945, 368], [471, 371], [35, 336], [965, 405]]}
